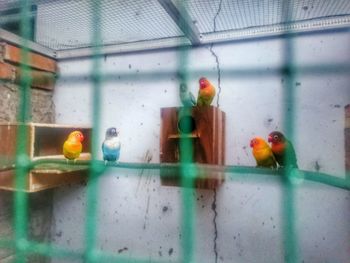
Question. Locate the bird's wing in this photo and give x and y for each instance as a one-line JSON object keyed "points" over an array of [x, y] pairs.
{"points": [[103, 147]]}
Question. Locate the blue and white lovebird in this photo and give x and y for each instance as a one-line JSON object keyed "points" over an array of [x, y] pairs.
{"points": [[111, 146], [186, 96]]}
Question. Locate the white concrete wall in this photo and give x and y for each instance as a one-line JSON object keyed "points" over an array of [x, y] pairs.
{"points": [[140, 218]]}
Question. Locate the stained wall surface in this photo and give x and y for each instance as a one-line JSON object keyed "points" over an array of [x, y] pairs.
{"points": [[241, 221]]}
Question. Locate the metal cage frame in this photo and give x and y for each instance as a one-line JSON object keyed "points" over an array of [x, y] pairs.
{"points": [[23, 246]]}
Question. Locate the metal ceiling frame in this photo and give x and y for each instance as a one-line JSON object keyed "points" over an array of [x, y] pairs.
{"points": [[18, 41], [191, 32], [124, 48], [313, 25], [182, 20]]}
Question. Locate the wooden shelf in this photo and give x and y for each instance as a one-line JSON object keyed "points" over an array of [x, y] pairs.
{"points": [[183, 136], [45, 141]]}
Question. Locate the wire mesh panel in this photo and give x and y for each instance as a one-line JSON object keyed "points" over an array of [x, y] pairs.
{"points": [[121, 22], [102, 23], [233, 15], [67, 24]]}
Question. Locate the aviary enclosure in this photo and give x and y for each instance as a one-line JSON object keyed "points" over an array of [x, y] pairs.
{"points": [[142, 131]]}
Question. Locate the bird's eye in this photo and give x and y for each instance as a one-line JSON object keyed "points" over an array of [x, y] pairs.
{"points": [[275, 137]]}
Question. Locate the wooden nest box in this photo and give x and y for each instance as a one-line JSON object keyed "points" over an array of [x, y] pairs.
{"points": [[204, 127], [44, 141]]}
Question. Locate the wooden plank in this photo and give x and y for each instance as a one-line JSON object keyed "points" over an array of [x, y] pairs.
{"points": [[7, 181], [12, 54], [203, 180], [347, 111], [42, 181], [179, 136], [8, 139], [84, 156], [39, 79], [7, 72], [55, 125], [347, 162], [347, 139], [347, 116]]}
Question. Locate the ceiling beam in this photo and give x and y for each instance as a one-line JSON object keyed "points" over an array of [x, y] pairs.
{"points": [[11, 38], [183, 21]]}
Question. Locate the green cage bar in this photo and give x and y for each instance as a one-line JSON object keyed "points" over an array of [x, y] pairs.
{"points": [[290, 239], [22, 160], [92, 190], [90, 253]]}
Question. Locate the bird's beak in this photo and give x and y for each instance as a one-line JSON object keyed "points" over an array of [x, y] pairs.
{"points": [[82, 138], [269, 139], [251, 144]]}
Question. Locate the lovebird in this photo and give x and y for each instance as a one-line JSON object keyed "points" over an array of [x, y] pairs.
{"points": [[111, 145], [72, 147], [262, 153], [186, 96], [206, 92], [281, 147]]}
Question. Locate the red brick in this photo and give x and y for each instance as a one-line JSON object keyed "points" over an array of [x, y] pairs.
{"points": [[13, 55], [7, 72], [39, 79]]}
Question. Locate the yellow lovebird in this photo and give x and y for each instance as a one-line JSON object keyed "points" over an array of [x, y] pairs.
{"points": [[72, 147], [262, 153], [206, 92]]}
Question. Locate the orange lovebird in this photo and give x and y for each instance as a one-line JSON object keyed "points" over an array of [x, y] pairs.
{"points": [[206, 92], [262, 153], [72, 147]]}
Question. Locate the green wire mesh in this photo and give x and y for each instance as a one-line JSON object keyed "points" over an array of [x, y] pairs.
{"points": [[144, 20], [24, 247]]}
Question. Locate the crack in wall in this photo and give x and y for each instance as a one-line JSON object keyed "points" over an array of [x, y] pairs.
{"points": [[213, 207], [146, 214], [217, 57]]}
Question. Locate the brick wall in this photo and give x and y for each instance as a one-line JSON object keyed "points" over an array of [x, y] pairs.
{"points": [[43, 111]]}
